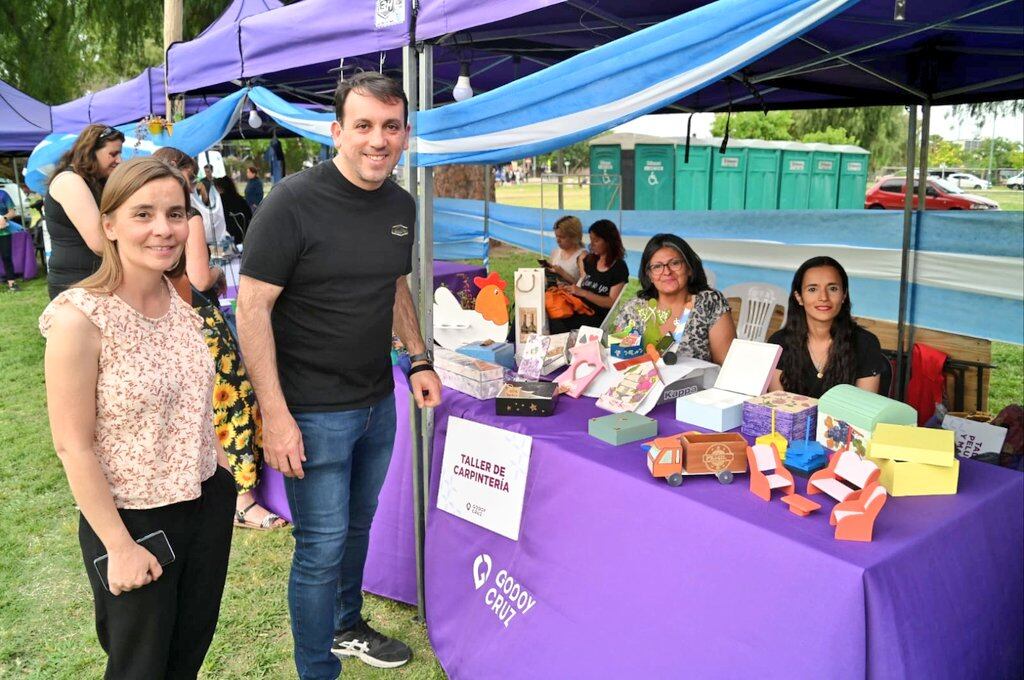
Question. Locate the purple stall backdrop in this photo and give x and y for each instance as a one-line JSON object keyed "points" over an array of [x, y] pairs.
{"points": [[629, 576], [23, 254]]}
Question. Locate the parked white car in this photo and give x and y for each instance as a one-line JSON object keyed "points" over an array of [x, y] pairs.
{"points": [[966, 180], [1016, 182]]}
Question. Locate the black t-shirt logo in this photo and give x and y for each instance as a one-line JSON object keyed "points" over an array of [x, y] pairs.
{"points": [[399, 230]]}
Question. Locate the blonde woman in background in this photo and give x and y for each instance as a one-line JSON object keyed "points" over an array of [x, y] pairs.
{"points": [[565, 261]]}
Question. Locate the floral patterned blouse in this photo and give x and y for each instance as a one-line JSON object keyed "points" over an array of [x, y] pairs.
{"points": [[708, 306], [154, 436]]}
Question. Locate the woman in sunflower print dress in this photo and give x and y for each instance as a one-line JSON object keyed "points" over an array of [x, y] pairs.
{"points": [[236, 415]]}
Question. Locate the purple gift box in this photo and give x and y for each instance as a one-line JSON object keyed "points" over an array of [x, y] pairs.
{"points": [[791, 414]]}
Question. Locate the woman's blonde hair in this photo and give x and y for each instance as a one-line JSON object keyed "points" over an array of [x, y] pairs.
{"points": [[571, 226], [126, 179]]}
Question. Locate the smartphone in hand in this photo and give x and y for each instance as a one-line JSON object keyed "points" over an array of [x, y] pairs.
{"points": [[544, 263], [156, 543]]}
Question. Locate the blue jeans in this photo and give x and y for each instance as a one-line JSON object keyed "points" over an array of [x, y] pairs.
{"points": [[347, 457]]}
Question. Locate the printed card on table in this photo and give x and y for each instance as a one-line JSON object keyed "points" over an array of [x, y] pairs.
{"points": [[636, 382], [483, 475]]}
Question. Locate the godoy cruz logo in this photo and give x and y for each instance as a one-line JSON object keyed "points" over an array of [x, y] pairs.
{"points": [[507, 597], [481, 570], [399, 230]]}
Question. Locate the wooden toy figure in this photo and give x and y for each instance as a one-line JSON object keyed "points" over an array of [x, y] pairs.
{"points": [[455, 326], [806, 455], [586, 364], [775, 438]]}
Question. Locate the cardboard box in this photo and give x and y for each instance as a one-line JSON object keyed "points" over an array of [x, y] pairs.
{"points": [[792, 411], [745, 373], [706, 454], [917, 479], [622, 428], [527, 399], [501, 353], [912, 444], [480, 379]]}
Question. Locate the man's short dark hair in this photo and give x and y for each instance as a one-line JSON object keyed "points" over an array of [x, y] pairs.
{"points": [[253, 169], [376, 85]]}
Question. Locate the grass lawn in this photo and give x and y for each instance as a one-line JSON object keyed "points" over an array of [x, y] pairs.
{"points": [[46, 615], [1008, 199]]}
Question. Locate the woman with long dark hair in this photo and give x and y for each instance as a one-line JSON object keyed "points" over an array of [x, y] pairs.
{"points": [[822, 346], [71, 206], [605, 273], [696, 315]]}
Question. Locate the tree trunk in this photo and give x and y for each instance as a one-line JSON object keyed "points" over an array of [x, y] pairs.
{"points": [[461, 181]]}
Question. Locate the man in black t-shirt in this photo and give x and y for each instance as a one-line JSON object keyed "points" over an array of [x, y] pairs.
{"points": [[322, 285]]}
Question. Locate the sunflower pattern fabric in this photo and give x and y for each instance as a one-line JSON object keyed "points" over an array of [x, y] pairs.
{"points": [[236, 415]]}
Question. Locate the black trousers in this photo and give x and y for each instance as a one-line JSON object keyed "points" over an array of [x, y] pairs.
{"points": [[5, 257], [164, 629]]}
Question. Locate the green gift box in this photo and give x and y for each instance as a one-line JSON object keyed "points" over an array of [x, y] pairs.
{"points": [[622, 428]]}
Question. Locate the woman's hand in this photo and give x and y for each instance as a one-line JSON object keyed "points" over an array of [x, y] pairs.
{"points": [[131, 567]]}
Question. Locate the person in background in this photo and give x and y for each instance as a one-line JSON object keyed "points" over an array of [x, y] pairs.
{"points": [[236, 414], [605, 274], [566, 258], [822, 346], [207, 180], [236, 210], [70, 206], [253, 187], [672, 275], [7, 213], [128, 383]]}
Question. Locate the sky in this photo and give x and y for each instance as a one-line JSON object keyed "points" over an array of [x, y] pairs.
{"points": [[942, 123]]}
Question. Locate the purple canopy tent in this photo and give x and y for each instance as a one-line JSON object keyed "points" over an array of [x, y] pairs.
{"points": [[24, 121]]}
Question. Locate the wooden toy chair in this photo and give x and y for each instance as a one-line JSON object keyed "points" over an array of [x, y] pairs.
{"points": [[846, 473], [767, 472], [855, 517]]}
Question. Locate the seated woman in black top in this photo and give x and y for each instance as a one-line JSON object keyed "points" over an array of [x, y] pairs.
{"points": [[822, 346], [604, 275]]}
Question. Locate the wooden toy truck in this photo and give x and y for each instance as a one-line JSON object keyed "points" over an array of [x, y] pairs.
{"points": [[694, 453]]}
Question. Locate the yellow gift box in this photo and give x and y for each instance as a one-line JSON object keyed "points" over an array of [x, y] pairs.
{"points": [[917, 479], [912, 444]]}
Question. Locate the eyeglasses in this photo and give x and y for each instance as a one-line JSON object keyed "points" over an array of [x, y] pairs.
{"points": [[673, 266]]}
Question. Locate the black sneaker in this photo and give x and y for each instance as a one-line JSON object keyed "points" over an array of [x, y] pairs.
{"points": [[364, 643]]}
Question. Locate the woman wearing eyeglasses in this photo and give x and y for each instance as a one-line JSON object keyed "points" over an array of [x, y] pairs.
{"points": [[672, 275], [70, 206]]}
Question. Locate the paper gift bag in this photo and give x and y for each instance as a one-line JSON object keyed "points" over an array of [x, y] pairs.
{"points": [[529, 299]]}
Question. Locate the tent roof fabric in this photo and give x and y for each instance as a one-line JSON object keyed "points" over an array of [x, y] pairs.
{"points": [[24, 121], [945, 51], [125, 102]]}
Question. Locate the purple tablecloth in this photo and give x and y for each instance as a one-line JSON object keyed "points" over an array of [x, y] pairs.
{"points": [[633, 578], [450, 273], [23, 254]]}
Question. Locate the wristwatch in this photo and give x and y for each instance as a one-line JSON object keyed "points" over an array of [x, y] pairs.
{"points": [[425, 355]]}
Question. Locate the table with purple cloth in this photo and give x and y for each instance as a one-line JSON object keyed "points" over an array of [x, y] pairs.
{"points": [[23, 255], [633, 578], [450, 274]]}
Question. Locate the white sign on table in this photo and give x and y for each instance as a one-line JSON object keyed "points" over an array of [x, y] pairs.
{"points": [[483, 475]]}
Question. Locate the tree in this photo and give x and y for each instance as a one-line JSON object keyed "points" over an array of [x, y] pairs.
{"points": [[882, 130], [944, 154], [776, 125], [829, 135], [577, 154], [57, 50]]}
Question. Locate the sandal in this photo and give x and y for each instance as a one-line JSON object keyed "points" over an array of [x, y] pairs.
{"points": [[266, 525]]}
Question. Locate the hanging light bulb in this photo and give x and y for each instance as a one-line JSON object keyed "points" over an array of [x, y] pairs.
{"points": [[255, 121], [462, 90]]}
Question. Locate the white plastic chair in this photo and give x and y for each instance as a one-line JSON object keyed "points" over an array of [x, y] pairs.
{"points": [[757, 306], [710, 275]]}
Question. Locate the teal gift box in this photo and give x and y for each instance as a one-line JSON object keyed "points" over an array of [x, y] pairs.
{"points": [[622, 428], [501, 353]]}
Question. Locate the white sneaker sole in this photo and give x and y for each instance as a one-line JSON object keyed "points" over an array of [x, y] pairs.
{"points": [[367, 659]]}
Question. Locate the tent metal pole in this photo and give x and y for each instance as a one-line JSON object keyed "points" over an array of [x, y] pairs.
{"points": [[908, 203], [410, 72], [488, 183], [426, 258], [922, 206]]}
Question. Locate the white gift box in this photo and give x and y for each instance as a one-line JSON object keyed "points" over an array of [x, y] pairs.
{"points": [[475, 377], [746, 372]]}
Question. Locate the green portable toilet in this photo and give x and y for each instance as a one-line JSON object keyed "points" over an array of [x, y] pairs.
{"points": [[729, 176], [853, 177], [654, 176], [824, 177], [795, 176], [763, 160], [693, 179], [605, 176]]}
